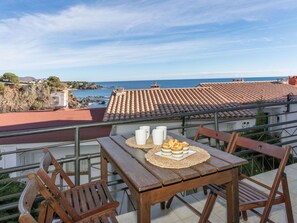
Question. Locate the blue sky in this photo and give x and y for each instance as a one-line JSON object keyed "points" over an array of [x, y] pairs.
{"points": [[143, 40]]}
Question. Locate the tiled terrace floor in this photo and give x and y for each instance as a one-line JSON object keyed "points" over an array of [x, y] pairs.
{"points": [[180, 213]]}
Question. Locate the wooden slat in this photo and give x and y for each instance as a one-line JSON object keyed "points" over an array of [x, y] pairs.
{"points": [[233, 160], [218, 163], [134, 172], [49, 215], [261, 147], [76, 201], [166, 176], [42, 212], [83, 201], [101, 193], [106, 191], [187, 173], [95, 195], [68, 196], [205, 168], [89, 198]]}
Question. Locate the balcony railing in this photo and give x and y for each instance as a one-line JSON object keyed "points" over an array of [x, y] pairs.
{"points": [[281, 129]]}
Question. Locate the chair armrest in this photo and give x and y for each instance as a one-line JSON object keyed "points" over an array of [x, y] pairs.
{"points": [[102, 210]]}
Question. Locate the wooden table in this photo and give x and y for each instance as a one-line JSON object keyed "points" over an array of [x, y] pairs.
{"points": [[150, 184]]}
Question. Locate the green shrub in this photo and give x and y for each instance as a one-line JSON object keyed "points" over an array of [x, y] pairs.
{"points": [[2, 86], [54, 81], [11, 77], [9, 188], [36, 106]]}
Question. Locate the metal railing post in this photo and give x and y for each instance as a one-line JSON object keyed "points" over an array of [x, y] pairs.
{"points": [[77, 155], [216, 125], [183, 125]]}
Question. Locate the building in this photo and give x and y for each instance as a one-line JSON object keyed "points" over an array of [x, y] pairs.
{"points": [[25, 121], [157, 102]]}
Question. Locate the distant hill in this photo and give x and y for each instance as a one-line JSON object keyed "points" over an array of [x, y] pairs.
{"points": [[27, 79]]}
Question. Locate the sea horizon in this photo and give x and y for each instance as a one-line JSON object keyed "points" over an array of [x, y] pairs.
{"points": [[109, 86]]}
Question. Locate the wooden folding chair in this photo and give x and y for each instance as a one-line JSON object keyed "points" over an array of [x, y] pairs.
{"points": [[220, 136], [28, 197], [79, 202], [213, 134], [252, 193]]}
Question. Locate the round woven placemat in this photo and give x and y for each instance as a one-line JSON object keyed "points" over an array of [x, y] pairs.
{"points": [[149, 143], [200, 156]]}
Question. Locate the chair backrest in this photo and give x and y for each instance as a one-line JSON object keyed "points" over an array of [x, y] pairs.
{"points": [[51, 191], [282, 154], [49, 160], [221, 136], [28, 197]]}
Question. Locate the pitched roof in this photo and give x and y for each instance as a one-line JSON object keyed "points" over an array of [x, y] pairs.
{"points": [[251, 92], [129, 104]]}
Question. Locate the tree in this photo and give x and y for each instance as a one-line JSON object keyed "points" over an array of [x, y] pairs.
{"points": [[54, 81], [11, 77]]}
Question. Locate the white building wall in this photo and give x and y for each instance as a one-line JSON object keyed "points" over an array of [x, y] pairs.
{"points": [[59, 152], [290, 129], [190, 132]]}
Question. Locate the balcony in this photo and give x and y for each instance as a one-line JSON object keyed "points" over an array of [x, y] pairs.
{"points": [[80, 157]]}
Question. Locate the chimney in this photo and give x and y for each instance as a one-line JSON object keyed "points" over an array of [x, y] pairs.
{"points": [[119, 91], [293, 80]]}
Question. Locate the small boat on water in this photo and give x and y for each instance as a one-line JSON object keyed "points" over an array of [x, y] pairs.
{"points": [[155, 85]]}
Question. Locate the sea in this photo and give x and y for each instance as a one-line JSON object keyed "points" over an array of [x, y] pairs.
{"points": [[105, 92]]}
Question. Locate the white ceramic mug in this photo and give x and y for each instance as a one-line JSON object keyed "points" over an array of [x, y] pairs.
{"points": [[140, 136], [147, 130], [158, 136], [164, 129]]}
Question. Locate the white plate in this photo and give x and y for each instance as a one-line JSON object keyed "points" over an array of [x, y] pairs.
{"points": [[190, 153]]}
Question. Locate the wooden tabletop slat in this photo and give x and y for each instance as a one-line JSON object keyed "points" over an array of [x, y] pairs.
{"points": [[205, 168], [234, 160], [187, 173], [166, 176], [218, 163], [141, 178]]}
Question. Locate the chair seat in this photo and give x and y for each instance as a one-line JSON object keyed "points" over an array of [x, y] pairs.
{"points": [[90, 196], [249, 196]]}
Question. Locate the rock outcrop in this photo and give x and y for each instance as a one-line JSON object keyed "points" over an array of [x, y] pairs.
{"points": [[28, 97]]}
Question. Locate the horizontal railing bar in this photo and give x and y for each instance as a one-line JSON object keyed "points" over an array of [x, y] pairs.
{"points": [[137, 120], [36, 165], [265, 126], [45, 146]]}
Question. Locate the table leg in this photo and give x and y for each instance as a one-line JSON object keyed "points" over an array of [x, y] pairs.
{"points": [[143, 209], [103, 167], [233, 198]]}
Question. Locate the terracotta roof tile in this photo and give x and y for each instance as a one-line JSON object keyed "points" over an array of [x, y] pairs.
{"points": [[251, 92], [159, 102]]}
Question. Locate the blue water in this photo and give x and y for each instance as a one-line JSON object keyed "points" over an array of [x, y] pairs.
{"points": [[108, 87]]}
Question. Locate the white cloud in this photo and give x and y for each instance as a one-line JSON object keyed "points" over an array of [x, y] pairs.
{"points": [[85, 35]]}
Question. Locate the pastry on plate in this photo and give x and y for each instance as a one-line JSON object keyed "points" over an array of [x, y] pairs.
{"points": [[177, 146], [166, 146], [177, 150]]}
